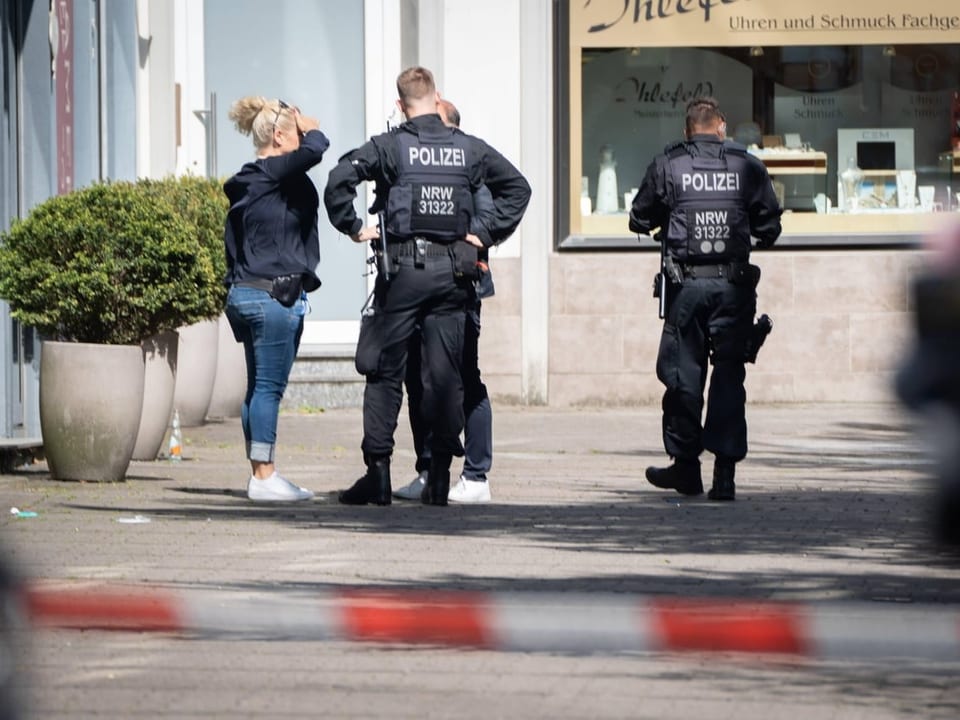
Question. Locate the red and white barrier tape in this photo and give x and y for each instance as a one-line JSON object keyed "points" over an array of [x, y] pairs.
{"points": [[518, 621]]}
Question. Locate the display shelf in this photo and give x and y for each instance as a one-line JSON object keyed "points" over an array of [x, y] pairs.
{"points": [[793, 163], [798, 176]]}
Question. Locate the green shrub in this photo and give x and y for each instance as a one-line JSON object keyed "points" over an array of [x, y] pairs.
{"points": [[111, 263], [202, 203]]}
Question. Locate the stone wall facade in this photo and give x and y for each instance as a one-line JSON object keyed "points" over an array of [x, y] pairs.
{"points": [[841, 323]]}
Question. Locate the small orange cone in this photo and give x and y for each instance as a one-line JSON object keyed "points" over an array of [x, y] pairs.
{"points": [[175, 439]]}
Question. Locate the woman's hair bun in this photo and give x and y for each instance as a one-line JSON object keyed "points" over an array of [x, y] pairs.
{"points": [[245, 110]]}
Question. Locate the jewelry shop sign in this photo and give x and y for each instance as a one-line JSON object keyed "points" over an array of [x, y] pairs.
{"points": [[718, 23]]}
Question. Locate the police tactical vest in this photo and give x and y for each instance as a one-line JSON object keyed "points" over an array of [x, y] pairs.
{"points": [[708, 219], [431, 197]]}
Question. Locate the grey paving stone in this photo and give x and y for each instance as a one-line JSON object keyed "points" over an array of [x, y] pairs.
{"points": [[832, 504]]}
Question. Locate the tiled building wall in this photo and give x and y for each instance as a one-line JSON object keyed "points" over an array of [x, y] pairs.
{"points": [[841, 322]]}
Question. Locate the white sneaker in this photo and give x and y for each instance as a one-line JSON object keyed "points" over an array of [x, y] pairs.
{"points": [[413, 490], [469, 491], [276, 489]]}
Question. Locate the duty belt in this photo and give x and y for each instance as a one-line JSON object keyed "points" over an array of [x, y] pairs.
{"points": [[409, 247], [708, 272]]}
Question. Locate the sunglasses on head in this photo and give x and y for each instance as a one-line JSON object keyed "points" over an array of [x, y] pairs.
{"points": [[281, 106]]}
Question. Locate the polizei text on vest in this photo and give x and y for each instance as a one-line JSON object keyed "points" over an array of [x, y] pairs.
{"points": [[438, 157], [710, 181]]}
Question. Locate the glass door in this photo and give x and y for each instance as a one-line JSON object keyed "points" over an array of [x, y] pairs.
{"points": [[311, 55]]}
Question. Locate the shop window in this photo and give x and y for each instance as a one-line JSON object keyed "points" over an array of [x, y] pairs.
{"points": [[888, 112]]}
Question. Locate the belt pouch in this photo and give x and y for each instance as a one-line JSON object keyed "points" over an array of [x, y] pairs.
{"points": [[465, 257], [286, 289], [745, 274]]}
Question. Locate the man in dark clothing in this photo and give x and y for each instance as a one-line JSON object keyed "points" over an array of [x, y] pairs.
{"points": [[427, 174], [708, 197], [473, 486]]}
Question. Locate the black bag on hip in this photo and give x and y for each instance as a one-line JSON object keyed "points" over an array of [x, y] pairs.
{"points": [[286, 289]]}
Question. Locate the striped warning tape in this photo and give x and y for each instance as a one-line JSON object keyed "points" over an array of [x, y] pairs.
{"points": [[517, 621]]}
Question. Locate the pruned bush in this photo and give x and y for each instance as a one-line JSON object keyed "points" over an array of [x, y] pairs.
{"points": [[113, 263]]}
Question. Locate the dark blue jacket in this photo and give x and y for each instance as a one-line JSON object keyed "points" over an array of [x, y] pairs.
{"points": [[271, 228]]}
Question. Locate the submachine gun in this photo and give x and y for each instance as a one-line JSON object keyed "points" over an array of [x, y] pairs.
{"points": [[379, 247], [669, 273]]}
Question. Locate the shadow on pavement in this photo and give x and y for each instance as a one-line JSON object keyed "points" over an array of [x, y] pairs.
{"points": [[832, 525]]}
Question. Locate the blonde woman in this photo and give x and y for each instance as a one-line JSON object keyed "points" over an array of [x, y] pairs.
{"points": [[272, 248]]}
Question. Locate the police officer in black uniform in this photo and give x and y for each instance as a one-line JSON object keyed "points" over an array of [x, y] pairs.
{"points": [[708, 196], [473, 486], [426, 174]]}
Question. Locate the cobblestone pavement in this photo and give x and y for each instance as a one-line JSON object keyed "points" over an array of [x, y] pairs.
{"points": [[832, 504]]}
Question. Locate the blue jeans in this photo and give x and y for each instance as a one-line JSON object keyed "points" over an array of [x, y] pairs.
{"points": [[270, 334]]}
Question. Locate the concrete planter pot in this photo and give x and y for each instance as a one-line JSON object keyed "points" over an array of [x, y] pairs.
{"points": [[91, 398], [230, 383], [160, 374], [196, 371]]}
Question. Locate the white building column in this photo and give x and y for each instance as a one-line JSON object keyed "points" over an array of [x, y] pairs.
{"points": [[383, 30], [382, 49], [143, 89], [432, 19], [156, 90], [536, 158], [190, 78]]}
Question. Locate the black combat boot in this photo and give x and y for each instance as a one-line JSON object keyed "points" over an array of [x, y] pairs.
{"points": [[438, 481], [683, 476], [373, 488], [723, 485]]}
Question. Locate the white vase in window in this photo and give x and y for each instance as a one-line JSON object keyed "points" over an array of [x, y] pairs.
{"points": [[586, 205], [608, 196], [906, 189]]}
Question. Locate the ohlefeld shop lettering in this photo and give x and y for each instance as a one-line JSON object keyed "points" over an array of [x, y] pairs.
{"points": [[650, 10], [655, 94]]}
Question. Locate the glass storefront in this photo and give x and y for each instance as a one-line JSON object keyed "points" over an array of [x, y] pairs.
{"points": [[67, 119], [861, 140]]}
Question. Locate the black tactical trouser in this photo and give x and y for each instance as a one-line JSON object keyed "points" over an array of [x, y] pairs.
{"points": [[431, 299], [478, 414], [707, 320]]}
